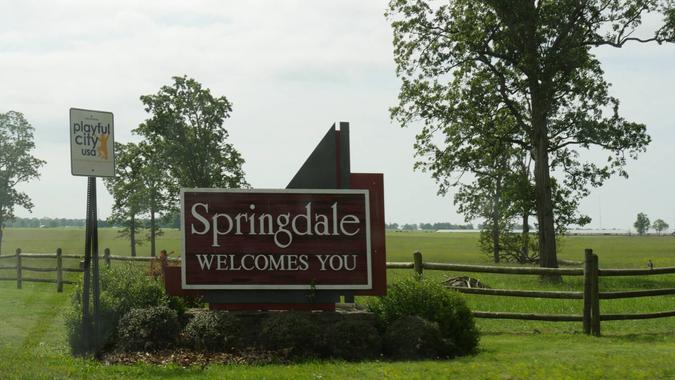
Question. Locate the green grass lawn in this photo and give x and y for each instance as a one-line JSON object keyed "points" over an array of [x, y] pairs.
{"points": [[32, 341]]}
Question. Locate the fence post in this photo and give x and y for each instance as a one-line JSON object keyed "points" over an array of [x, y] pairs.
{"points": [[588, 284], [417, 261], [18, 268], [595, 290], [106, 257], [59, 271]]}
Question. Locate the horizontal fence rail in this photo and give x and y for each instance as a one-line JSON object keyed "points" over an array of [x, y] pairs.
{"points": [[394, 265], [528, 316], [590, 295], [636, 293], [520, 293], [636, 272], [623, 317], [502, 270]]}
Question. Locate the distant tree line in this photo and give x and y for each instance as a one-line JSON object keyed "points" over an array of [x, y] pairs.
{"points": [[49, 222], [172, 221], [642, 224], [429, 226]]}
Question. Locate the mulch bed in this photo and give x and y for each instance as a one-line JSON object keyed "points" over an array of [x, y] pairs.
{"points": [[187, 358]]}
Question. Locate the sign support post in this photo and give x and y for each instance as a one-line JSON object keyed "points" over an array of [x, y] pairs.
{"points": [[91, 281], [86, 278], [96, 288], [92, 155]]}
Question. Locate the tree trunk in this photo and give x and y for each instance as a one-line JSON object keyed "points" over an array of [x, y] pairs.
{"points": [[1, 232], [132, 235], [542, 181], [495, 219], [152, 232], [525, 250]]}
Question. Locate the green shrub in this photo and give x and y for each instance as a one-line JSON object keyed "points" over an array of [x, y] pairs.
{"points": [[412, 337], [354, 339], [434, 303], [108, 324], [292, 333], [148, 329], [131, 288], [124, 286], [212, 331]]}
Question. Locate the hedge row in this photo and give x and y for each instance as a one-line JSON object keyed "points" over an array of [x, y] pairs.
{"points": [[292, 335], [416, 320]]}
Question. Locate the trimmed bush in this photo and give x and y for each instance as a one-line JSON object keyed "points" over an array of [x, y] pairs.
{"points": [[434, 303], [354, 339], [212, 331], [124, 286], [148, 329], [412, 337], [293, 333]]}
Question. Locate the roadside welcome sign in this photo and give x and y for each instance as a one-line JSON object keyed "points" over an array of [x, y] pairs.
{"points": [[91, 143], [276, 239]]}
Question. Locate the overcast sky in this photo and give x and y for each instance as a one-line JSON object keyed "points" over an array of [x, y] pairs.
{"points": [[291, 69]]}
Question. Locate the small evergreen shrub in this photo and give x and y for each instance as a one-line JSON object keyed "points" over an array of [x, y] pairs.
{"points": [[212, 331], [354, 340], [435, 303], [291, 332], [148, 329], [412, 337]]}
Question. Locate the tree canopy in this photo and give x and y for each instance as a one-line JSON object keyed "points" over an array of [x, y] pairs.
{"points": [[641, 223], [186, 131], [660, 225], [522, 73], [184, 144], [17, 164]]}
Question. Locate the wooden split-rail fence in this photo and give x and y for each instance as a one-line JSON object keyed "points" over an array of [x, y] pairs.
{"points": [[20, 257], [591, 295]]}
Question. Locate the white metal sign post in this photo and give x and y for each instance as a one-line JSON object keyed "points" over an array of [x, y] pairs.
{"points": [[92, 155]]}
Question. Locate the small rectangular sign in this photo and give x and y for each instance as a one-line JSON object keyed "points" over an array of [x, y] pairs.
{"points": [[91, 143], [276, 239]]}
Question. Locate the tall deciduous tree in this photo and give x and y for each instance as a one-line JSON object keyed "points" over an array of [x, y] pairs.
{"points": [[535, 57], [186, 130], [17, 165], [641, 223], [157, 194], [128, 191], [660, 225]]}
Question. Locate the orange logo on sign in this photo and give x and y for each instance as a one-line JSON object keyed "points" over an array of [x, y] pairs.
{"points": [[103, 146]]}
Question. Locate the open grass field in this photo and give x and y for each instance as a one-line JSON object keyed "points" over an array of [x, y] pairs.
{"points": [[32, 342]]}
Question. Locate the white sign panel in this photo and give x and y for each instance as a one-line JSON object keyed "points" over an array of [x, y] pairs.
{"points": [[91, 143]]}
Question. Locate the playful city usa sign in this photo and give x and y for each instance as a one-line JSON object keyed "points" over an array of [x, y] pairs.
{"points": [[91, 143], [276, 239]]}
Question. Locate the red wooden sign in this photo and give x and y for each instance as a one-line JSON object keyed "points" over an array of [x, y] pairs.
{"points": [[276, 239]]}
